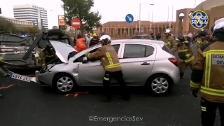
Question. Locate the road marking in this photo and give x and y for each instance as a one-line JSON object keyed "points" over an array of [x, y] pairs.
{"points": [[11, 85]]}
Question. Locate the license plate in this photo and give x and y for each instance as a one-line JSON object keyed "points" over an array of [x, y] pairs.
{"points": [[20, 77]]}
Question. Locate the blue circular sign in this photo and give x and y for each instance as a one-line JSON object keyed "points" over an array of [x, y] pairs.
{"points": [[199, 19], [129, 18]]}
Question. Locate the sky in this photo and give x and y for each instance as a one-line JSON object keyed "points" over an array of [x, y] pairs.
{"points": [[110, 10]]}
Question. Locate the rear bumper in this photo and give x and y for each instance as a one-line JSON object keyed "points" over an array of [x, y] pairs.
{"points": [[175, 75]]}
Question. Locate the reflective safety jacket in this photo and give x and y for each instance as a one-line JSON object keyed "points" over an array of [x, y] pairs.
{"points": [[170, 42], [108, 57], [208, 71], [185, 53], [80, 44], [200, 43]]}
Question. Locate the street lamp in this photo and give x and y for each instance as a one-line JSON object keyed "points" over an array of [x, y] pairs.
{"points": [[181, 17], [140, 8]]}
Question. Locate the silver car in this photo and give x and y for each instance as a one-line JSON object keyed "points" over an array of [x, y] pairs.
{"points": [[144, 63]]}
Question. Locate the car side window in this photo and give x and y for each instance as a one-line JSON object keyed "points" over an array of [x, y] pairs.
{"points": [[116, 47], [149, 50], [137, 51]]}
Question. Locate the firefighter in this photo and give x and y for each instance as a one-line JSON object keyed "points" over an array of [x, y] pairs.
{"points": [[94, 40], [169, 40], [185, 54], [201, 40], [80, 43], [111, 65], [207, 77]]}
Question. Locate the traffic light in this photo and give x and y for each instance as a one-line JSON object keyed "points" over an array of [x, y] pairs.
{"points": [[0, 10]]}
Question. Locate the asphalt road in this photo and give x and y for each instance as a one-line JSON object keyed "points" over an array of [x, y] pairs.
{"points": [[28, 104]]}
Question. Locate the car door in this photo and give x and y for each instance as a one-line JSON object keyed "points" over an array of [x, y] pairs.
{"points": [[137, 62], [92, 72]]}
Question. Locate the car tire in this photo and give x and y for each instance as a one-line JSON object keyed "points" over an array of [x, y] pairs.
{"points": [[159, 84], [64, 83]]}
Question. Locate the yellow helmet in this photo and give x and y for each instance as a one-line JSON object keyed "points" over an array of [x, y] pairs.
{"points": [[95, 35]]}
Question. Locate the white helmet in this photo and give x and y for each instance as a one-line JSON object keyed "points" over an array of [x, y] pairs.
{"points": [[168, 31], [219, 24], [105, 39]]}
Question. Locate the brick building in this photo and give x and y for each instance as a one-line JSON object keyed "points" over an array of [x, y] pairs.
{"points": [[122, 29], [214, 9], [184, 24]]}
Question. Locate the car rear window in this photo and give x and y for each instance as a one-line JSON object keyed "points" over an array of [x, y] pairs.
{"points": [[165, 48]]}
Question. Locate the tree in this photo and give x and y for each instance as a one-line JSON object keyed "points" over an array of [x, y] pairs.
{"points": [[81, 9], [6, 26]]}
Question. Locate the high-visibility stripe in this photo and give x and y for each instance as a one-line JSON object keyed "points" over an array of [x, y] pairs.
{"points": [[204, 109], [209, 69], [216, 51], [113, 66], [194, 85], [105, 78], [190, 59], [208, 64], [109, 58], [183, 50], [213, 92], [206, 69]]}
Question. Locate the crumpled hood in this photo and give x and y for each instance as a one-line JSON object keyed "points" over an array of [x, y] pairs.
{"points": [[62, 50]]}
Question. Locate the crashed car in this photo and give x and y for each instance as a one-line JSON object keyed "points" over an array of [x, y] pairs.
{"points": [[44, 52], [144, 63], [14, 47]]}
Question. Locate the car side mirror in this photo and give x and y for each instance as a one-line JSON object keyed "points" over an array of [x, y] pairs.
{"points": [[84, 60]]}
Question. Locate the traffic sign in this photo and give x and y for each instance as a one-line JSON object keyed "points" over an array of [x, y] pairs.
{"points": [[76, 23], [129, 18], [61, 20]]}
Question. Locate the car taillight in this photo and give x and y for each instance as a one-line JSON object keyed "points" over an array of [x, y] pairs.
{"points": [[174, 61]]}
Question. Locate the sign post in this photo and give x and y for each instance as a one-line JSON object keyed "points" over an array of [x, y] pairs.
{"points": [[61, 21]]}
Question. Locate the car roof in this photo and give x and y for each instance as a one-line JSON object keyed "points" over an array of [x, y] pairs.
{"points": [[137, 41]]}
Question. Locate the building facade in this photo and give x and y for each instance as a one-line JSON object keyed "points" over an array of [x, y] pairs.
{"points": [[122, 29], [214, 9], [183, 24], [20, 23], [32, 13]]}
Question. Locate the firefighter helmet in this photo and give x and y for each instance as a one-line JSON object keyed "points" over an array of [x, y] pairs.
{"points": [[105, 39], [218, 30]]}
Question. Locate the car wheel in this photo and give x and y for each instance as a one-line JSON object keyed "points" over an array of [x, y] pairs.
{"points": [[159, 84], [64, 83]]}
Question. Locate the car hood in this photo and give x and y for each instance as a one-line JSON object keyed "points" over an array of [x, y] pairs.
{"points": [[62, 50]]}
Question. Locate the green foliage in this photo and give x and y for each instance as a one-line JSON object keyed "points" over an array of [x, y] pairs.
{"points": [[6, 26], [81, 9]]}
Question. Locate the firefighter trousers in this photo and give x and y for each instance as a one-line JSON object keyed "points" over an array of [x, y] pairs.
{"points": [[118, 76], [208, 112]]}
